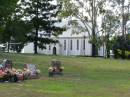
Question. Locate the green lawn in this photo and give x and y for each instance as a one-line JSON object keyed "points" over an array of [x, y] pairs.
{"points": [[83, 77]]}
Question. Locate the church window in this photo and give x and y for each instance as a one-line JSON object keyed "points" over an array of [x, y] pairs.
{"points": [[64, 44], [71, 45], [84, 44], [77, 44]]}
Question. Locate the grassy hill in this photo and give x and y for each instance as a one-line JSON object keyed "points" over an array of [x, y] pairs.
{"points": [[83, 77]]}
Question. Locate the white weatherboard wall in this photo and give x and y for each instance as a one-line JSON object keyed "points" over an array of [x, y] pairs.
{"points": [[68, 51], [28, 48], [74, 50], [66, 36], [49, 49], [88, 47], [101, 51]]}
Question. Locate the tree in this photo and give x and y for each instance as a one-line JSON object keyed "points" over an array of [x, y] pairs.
{"points": [[42, 16], [11, 26], [87, 12], [110, 24], [124, 16], [123, 27], [118, 47], [15, 31], [7, 8]]}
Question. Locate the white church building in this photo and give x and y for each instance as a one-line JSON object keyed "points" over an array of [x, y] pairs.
{"points": [[69, 44]]}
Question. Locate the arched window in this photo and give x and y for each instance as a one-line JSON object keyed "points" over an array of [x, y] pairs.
{"points": [[71, 44], [84, 44], [77, 44], [64, 44]]}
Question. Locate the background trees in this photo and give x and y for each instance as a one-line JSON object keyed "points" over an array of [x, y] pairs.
{"points": [[122, 38], [103, 20], [7, 9], [111, 25], [22, 20], [118, 47]]}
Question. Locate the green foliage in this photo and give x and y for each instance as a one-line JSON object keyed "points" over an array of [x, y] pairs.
{"points": [[118, 46], [68, 9], [42, 15], [7, 8], [84, 21], [97, 41], [110, 26]]}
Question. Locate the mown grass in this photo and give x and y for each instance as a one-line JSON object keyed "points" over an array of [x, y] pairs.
{"points": [[83, 77]]}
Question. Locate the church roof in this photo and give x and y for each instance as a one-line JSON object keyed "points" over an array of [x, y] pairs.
{"points": [[70, 33]]}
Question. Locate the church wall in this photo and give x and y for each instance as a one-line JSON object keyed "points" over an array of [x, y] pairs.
{"points": [[60, 50], [80, 50], [49, 49], [68, 50], [101, 51], [88, 47], [28, 48]]}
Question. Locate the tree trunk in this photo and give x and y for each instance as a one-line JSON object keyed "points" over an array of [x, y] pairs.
{"points": [[35, 42], [94, 50], [36, 33], [123, 31], [107, 45], [8, 46], [108, 53], [123, 54], [35, 47]]}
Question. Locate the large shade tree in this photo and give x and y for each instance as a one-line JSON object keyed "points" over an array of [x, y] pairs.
{"points": [[15, 33], [110, 26], [87, 12], [7, 7], [42, 17]]}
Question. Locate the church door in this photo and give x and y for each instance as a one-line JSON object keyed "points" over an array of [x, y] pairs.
{"points": [[54, 50]]}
